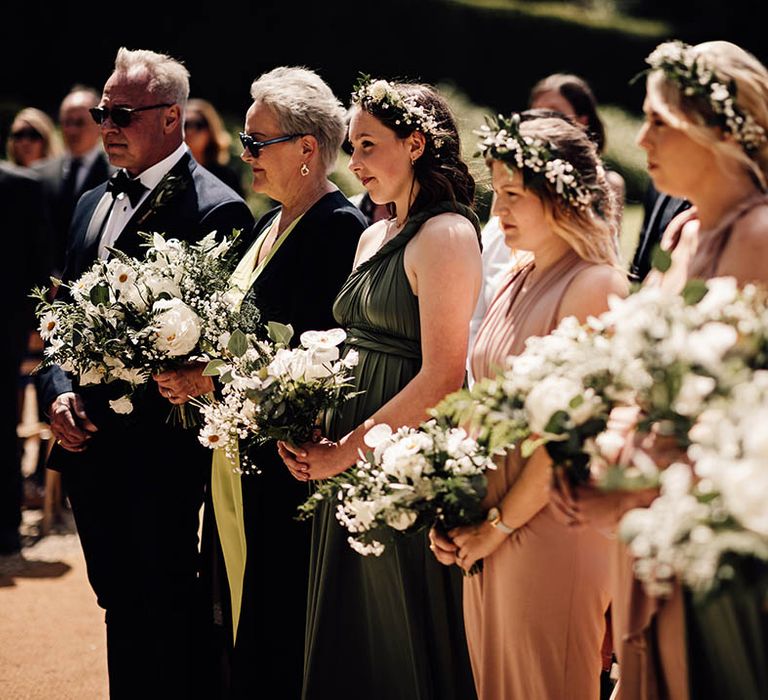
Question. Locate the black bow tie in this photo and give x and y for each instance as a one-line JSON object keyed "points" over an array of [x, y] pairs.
{"points": [[120, 182]]}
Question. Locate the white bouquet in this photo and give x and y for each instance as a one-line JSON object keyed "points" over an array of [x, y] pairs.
{"points": [[712, 517], [558, 392], [272, 392], [126, 319], [411, 479]]}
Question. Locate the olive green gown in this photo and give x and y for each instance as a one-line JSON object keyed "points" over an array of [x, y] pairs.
{"points": [[388, 627]]}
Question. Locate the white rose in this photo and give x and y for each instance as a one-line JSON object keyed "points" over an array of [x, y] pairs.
{"points": [[378, 90], [400, 519], [377, 434], [177, 327], [351, 358], [547, 397], [121, 405], [291, 363]]}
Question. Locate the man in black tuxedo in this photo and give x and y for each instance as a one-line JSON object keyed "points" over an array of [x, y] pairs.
{"points": [[135, 482], [83, 167], [23, 222]]}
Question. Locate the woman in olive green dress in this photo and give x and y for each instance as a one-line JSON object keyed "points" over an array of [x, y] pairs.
{"points": [[391, 627]]}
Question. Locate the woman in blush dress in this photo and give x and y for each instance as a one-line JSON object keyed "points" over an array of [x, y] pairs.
{"points": [[706, 141], [535, 615]]}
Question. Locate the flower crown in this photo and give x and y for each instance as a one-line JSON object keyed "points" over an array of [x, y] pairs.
{"points": [[380, 95], [533, 157], [698, 78]]}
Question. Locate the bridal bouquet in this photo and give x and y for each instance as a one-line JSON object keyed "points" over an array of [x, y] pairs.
{"points": [[686, 351], [558, 392], [710, 518], [272, 392], [126, 319], [411, 479]]}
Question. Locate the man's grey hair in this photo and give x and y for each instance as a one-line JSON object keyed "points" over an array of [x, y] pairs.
{"points": [[167, 79], [304, 104]]}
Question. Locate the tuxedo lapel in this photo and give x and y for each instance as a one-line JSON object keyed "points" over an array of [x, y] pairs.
{"points": [[98, 219], [150, 210]]}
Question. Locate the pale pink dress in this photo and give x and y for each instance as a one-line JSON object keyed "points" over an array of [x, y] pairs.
{"points": [[649, 632], [535, 616]]}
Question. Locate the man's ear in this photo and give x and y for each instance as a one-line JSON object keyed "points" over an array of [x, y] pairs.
{"points": [[172, 119]]}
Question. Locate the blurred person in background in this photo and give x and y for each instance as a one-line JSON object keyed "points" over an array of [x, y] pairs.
{"points": [[32, 138], [573, 97], [209, 142], [82, 166], [22, 215]]}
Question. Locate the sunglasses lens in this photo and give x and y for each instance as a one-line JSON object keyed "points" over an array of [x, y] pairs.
{"points": [[249, 143], [119, 115], [98, 114]]}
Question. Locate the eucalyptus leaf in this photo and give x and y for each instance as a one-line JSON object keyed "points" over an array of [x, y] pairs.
{"points": [[280, 333], [238, 343], [661, 260], [694, 291], [99, 294], [212, 368]]}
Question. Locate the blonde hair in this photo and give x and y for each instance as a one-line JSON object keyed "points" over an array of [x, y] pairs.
{"points": [[694, 117], [591, 231], [217, 148], [44, 126]]}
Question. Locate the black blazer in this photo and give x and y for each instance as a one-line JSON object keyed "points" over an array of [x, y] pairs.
{"points": [[25, 230], [60, 207], [200, 203], [660, 209], [300, 283]]}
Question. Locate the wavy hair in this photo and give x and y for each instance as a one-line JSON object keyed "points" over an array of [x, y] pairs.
{"points": [[591, 231], [440, 171]]}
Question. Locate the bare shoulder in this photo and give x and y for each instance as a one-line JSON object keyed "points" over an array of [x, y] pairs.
{"points": [[751, 230], [588, 292], [744, 256], [447, 230]]}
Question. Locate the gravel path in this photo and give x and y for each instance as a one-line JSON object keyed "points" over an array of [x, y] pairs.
{"points": [[52, 637]]}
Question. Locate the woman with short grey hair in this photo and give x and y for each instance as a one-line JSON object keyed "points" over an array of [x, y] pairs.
{"points": [[302, 254]]}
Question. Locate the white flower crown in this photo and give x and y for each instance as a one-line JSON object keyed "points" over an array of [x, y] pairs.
{"points": [[698, 78], [375, 95], [501, 140]]}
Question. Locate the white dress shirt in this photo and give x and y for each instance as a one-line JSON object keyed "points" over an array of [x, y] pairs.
{"points": [[122, 211], [497, 260]]}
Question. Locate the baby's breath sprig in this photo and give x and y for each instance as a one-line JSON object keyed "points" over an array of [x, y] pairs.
{"points": [[534, 158], [380, 96]]}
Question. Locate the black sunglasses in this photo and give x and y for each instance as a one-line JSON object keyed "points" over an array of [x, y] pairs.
{"points": [[121, 116], [28, 133], [254, 147], [195, 125]]}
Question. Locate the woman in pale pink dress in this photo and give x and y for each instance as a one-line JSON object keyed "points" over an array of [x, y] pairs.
{"points": [[718, 162], [535, 616]]}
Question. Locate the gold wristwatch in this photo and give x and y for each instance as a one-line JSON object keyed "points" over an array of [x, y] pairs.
{"points": [[494, 518]]}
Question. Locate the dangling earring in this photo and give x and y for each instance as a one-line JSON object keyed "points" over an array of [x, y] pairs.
{"points": [[304, 170]]}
